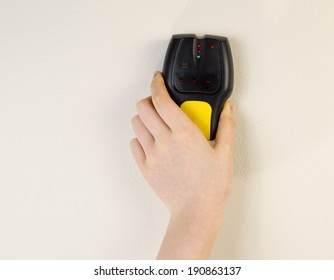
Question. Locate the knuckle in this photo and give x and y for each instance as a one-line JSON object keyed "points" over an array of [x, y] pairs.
{"points": [[133, 143], [156, 86], [153, 83], [157, 99], [141, 104], [134, 120]]}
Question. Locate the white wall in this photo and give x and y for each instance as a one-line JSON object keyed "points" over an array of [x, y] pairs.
{"points": [[70, 75]]}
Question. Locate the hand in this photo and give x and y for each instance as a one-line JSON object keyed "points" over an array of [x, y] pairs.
{"points": [[191, 175]]}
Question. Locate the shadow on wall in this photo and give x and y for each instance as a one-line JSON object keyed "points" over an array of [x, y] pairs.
{"points": [[213, 21], [228, 240]]}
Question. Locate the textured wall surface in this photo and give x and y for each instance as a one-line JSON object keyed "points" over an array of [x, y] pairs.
{"points": [[70, 75]]}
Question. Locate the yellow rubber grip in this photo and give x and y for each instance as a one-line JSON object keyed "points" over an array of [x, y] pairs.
{"points": [[200, 113]]}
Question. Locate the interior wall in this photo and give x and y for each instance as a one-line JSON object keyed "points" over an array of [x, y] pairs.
{"points": [[70, 75]]}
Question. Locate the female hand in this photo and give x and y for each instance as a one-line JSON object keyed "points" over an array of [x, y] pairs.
{"points": [[191, 175]]}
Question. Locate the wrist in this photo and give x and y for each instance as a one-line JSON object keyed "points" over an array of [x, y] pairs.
{"points": [[206, 214], [190, 235], [200, 219]]}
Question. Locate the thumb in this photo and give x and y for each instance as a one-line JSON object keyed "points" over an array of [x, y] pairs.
{"points": [[226, 128]]}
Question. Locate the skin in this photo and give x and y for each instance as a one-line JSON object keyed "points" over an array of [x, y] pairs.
{"points": [[191, 175]]}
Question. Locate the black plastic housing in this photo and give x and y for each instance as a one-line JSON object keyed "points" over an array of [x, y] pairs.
{"points": [[208, 77]]}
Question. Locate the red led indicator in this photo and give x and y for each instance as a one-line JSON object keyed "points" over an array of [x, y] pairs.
{"points": [[198, 45], [181, 80], [194, 81], [212, 46], [198, 51], [208, 81]]}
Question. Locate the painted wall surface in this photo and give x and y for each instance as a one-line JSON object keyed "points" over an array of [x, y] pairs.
{"points": [[70, 75]]}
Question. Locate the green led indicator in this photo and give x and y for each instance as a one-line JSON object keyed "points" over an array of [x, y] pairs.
{"points": [[198, 56]]}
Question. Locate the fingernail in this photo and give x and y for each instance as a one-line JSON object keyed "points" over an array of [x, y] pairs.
{"points": [[155, 74], [229, 104]]}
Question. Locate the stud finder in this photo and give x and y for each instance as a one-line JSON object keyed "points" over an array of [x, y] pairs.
{"points": [[198, 73]]}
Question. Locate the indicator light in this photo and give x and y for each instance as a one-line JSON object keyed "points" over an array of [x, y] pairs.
{"points": [[194, 81], [208, 81], [198, 51], [181, 80], [198, 45], [198, 56], [212, 46]]}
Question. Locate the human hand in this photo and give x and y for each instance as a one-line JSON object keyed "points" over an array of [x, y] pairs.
{"points": [[191, 175]]}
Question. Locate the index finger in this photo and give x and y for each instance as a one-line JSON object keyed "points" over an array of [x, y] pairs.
{"points": [[168, 110]]}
